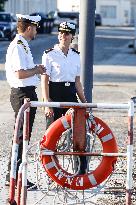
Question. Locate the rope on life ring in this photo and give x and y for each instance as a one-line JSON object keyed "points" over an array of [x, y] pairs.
{"points": [[78, 182]]}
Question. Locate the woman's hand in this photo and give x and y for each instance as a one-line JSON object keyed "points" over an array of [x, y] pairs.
{"points": [[48, 112]]}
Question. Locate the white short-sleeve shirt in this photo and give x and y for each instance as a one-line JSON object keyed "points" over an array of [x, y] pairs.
{"points": [[59, 67], [19, 57]]}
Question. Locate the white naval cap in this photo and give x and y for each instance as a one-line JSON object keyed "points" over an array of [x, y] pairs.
{"points": [[67, 27], [29, 19]]}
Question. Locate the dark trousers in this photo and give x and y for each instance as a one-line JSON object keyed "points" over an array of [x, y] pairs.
{"points": [[17, 97], [60, 93]]}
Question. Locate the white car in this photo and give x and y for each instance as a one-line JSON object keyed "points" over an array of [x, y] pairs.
{"points": [[60, 16]]}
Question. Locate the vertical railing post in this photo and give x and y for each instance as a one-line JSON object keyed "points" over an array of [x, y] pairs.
{"points": [[79, 130], [13, 172], [24, 155], [19, 183], [129, 180], [15, 147]]}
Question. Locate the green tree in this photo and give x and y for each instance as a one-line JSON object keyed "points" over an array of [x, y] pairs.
{"points": [[2, 5]]}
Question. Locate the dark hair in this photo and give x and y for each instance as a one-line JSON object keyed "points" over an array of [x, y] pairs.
{"points": [[22, 26]]}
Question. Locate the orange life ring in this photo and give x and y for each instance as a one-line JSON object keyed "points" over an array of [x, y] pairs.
{"points": [[78, 182]]}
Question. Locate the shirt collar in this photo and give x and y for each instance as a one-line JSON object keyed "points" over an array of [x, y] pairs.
{"points": [[57, 48], [19, 37]]}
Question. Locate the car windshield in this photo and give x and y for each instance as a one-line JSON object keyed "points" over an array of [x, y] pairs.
{"points": [[5, 18], [68, 15], [40, 14]]}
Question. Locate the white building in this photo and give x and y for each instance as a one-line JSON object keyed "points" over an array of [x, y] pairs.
{"points": [[114, 12], [30, 6], [69, 5], [133, 12]]}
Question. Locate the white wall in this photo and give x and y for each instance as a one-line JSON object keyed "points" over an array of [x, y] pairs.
{"points": [[123, 11], [30, 6], [68, 5]]}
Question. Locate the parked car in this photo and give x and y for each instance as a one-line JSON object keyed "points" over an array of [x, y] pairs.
{"points": [[73, 17], [98, 20], [60, 17], [8, 25], [46, 24]]}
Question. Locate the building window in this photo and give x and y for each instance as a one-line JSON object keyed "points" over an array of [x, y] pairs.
{"points": [[108, 11]]}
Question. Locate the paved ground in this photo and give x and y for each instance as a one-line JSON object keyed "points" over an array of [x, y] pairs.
{"points": [[114, 82]]}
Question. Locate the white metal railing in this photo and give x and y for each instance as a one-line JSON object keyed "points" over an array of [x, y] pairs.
{"points": [[25, 110]]}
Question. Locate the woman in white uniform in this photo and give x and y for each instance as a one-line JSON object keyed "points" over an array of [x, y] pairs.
{"points": [[61, 83]]}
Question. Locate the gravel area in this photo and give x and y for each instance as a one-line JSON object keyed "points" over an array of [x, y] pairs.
{"points": [[114, 191]]}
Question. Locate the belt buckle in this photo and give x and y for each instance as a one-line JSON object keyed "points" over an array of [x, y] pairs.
{"points": [[67, 84]]}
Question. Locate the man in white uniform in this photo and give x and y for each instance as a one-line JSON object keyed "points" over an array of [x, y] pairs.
{"points": [[22, 73]]}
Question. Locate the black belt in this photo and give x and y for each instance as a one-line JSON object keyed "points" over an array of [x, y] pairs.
{"points": [[64, 84], [24, 88]]}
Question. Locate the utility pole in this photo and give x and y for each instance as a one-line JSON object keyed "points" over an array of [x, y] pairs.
{"points": [[86, 44], [134, 4]]}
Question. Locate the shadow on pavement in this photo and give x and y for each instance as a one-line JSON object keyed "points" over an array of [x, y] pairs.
{"points": [[114, 77], [2, 75]]}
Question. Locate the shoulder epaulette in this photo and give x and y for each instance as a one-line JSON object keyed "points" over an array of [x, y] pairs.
{"points": [[20, 42], [75, 51], [48, 50]]}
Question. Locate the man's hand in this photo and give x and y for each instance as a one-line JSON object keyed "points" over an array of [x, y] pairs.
{"points": [[40, 69], [22, 74]]}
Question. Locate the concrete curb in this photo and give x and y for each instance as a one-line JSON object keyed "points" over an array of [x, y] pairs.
{"points": [[2, 66]]}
